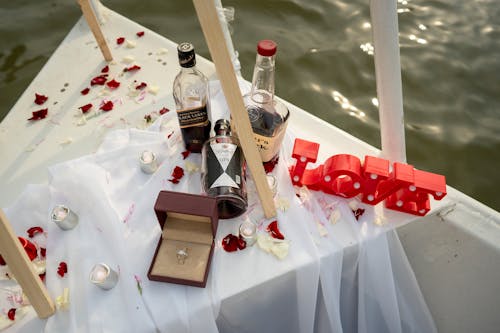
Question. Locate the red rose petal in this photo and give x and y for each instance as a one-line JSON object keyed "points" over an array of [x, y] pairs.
{"points": [[230, 243], [29, 247], [40, 99], [140, 34], [2, 261], [274, 231], [242, 244], [62, 269], [85, 91], [105, 69], [270, 165], [358, 213], [43, 252], [12, 314], [113, 84], [99, 80], [185, 154], [141, 86], [40, 114], [85, 108], [178, 172], [33, 231], [164, 110], [42, 276], [132, 68], [120, 40], [108, 106]]}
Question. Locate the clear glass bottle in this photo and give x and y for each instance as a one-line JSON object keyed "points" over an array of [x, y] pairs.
{"points": [[191, 97], [268, 116], [223, 172]]}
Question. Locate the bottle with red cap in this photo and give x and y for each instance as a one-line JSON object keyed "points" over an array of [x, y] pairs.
{"points": [[268, 116]]}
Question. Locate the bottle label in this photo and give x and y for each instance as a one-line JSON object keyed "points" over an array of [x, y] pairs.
{"points": [[268, 146], [193, 117], [224, 165]]}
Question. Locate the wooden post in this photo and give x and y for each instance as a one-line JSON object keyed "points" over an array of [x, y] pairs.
{"points": [[207, 14], [20, 265], [91, 19]]}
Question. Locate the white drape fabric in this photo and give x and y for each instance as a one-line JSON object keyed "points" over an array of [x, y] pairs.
{"points": [[345, 275]]}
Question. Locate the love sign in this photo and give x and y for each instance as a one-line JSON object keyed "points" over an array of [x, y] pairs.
{"points": [[400, 186]]}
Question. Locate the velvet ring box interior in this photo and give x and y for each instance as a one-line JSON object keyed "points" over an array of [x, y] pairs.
{"points": [[189, 225]]}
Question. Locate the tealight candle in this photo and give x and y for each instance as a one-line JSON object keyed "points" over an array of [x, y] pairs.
{"points": [[148, 162], [103, 276], [64, 217], [248, 232]]}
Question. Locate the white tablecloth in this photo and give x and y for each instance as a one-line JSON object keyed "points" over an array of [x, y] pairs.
{"points": [[348, 276]]}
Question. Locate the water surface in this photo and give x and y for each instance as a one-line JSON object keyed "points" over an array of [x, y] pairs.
{"points": [[449, 58]]}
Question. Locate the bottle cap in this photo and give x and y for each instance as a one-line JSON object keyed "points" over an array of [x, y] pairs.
{"points": [[266, 48], [186, 55], [222, 125]]}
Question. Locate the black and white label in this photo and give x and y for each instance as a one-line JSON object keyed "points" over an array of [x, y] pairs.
{"points": [[224, 165]]}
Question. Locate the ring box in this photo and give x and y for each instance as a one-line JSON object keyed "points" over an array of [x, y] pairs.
{"points": [[189, 222]]}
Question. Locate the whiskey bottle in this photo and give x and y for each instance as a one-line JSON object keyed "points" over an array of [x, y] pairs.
{"points": [[268, 116], [223, 173], [191, 100]]}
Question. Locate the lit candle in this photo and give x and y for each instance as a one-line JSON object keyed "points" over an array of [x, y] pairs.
{"points": [[64, 217], [248, 232], [148, 162], [103, 276]]}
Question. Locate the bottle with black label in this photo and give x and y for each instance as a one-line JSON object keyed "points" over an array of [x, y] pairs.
{"points": [[191, 100], [223, 173]]}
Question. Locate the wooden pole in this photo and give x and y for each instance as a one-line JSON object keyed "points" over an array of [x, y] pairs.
{"points": [[91, 19], [20, 265], [207, 14]]}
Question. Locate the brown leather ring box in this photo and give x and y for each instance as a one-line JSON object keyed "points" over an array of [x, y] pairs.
{"points": [[189, 225]]}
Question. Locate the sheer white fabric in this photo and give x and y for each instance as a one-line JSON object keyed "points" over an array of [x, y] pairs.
{"points": [[340, 275]]}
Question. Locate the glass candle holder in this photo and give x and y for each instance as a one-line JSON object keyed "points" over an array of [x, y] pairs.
{"points": [[103, 276], [248, 232], [148, 162], [64, 218]]}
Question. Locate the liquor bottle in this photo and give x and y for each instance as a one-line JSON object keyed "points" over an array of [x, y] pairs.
{"points": [[223, 173], [268, 116], [191, 100]]}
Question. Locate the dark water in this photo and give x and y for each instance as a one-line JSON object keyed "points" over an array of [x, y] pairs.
{"points": [[449, 55]]}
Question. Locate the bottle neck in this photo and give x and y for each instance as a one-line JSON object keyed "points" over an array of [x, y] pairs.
{"points": [[263, 80]]}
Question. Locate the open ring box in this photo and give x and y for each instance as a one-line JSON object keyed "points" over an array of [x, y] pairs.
{"points": [[189, 223]]}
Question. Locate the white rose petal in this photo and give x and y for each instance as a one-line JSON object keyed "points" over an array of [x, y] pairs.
{"points": [[62, 301], [191, 167], [130, 44], [282, 204], [128, 59], [265, 242], [323, 232], [152, 89], [334, 216], [280, 250], [162, 51]]}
